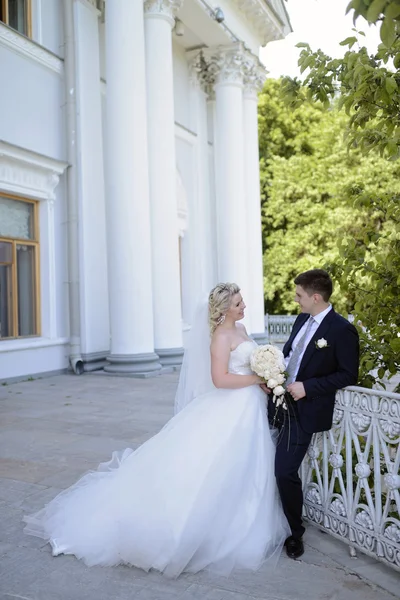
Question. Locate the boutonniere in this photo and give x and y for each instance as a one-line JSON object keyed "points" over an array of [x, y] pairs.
{"points": [[321, 343]]}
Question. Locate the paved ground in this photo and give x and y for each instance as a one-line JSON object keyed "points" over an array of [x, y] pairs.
{"points": [[52, 430]]}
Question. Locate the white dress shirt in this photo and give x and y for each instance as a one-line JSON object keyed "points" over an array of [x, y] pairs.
{"points": [[317, 322]]}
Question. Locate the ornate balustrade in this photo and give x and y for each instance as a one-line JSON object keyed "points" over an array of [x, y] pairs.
{"points": [[278, 327], [351, 478]]}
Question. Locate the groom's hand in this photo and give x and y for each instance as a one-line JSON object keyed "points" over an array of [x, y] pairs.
{"points": [[296, 390], [264, 387]]}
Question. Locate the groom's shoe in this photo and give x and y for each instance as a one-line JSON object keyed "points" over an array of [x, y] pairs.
{"points": [[294, 547]]}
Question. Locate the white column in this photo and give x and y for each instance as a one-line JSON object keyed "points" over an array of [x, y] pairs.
{"points": [[254, 79], [128, 218], [159, 20], [94, 309], [200, 234], [211, 145], [229, 168]]}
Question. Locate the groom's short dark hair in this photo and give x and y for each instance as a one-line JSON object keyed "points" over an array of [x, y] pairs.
{"points": [[316, 281]]}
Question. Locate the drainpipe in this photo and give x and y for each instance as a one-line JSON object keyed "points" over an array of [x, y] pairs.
{"points": [[75, 357]]}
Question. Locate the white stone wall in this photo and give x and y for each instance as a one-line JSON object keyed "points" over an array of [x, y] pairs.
{"points": [[34, 134], [182, 104], [32, 101], [47, 25], [36, 131]]}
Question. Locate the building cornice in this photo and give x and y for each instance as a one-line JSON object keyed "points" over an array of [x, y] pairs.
{"points": [[263, 18], [15, 41], [28, 173]]}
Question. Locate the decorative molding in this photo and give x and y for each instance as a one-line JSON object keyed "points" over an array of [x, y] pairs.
{"points": [[202, 72], [255, 75], [15, 41], [265, 21], [27, 173], [167, 9], [392, 481], [338, 508], [336, 460], [363, 470], [233, 63], [260, 15], [31, 344], [229, 64]]}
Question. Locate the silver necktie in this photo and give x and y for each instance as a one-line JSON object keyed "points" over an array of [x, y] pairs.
{"points": [[291, 368]]}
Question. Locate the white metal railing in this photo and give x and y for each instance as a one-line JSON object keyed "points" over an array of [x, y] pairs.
{"points": [[278, 327], [350, 475]]}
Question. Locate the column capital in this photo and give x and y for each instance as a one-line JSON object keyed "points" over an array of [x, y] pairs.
{"points": [[254, 75], [229, 64], [232, 64], [166, 9], [202, 71]]}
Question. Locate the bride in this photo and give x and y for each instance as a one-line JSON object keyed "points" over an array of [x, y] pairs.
{"points": [[201, 494]]}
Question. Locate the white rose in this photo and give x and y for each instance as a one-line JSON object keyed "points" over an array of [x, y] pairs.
{"points": [[280, 379], [271, 383], [275, 372], [322, 343], [279, 390]]}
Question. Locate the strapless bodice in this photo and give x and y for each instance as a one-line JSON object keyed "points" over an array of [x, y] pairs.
{"points": [[239, 361]]}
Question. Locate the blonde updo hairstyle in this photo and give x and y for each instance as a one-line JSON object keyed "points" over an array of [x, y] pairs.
{"points": [[219, 302]]}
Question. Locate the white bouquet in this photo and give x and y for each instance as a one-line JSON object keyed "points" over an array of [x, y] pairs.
{"points": [[268, 362]]}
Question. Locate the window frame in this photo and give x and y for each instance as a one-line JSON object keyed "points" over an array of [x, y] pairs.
{"points": [[14, 283], [28, 17]]}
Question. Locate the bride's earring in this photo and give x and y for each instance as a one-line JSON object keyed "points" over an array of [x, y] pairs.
{"points": [[221, 320]]}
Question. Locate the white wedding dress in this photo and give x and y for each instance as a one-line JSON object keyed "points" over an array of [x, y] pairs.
{"points": [[201, 494]]}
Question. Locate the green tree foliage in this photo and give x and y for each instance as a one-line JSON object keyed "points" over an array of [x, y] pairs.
{"points": [[368, 89], [309, 183]]}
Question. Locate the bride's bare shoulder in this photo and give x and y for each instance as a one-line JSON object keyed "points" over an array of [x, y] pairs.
{"points": [[220, 340], [242, 329]]}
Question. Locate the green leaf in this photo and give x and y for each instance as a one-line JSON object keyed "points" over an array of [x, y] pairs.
{"points": [[354, 4], [375, 9], [381, 373], [388, 32], [396, 61], [392, 11], [350, 41], [390, 85]]}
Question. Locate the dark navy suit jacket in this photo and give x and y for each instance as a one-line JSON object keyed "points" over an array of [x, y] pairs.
{"points": [[323, 371]]}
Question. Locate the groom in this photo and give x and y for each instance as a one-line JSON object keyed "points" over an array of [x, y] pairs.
{"points": [[322, 356]]}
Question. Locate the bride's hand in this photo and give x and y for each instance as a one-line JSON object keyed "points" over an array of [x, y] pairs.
{"points": [[265, 388]]}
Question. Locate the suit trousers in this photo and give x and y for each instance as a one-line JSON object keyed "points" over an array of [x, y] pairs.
{"points": [[291, 449]]}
